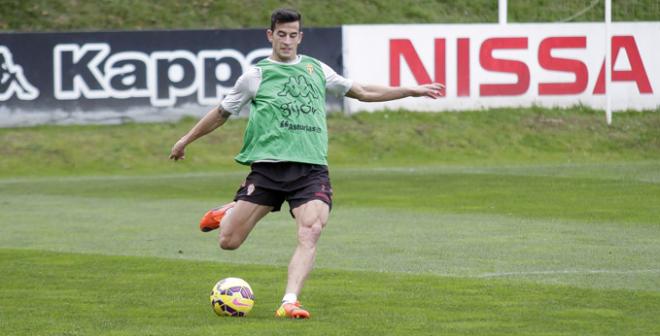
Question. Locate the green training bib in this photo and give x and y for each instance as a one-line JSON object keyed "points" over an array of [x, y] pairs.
{"points": [[287, 117]]}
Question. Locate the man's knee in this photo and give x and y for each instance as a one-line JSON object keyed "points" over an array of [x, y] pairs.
{"points": [[313, 229], [309, 233], [227, 243]]}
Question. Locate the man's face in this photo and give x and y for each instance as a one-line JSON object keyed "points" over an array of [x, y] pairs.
{"points": [[285, 40]]}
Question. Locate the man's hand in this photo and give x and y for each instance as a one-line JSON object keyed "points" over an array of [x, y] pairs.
{"points": [[433, 90], [178, 151]]}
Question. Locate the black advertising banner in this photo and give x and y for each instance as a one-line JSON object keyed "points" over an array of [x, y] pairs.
{"points": [[109, 77]]}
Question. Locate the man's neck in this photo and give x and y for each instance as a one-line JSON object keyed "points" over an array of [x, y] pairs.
{"points": [[294, 59]]}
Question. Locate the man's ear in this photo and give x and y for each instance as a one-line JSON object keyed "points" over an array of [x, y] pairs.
{"points": [[269, 35], [301, 37]]}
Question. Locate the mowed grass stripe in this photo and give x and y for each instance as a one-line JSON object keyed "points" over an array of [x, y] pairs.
{"points": [[378, 239], [582, 198], [72, 294], [643, 171]]}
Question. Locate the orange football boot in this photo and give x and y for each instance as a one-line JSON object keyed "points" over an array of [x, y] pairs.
{"points": [[292, 310], [213, 217]]}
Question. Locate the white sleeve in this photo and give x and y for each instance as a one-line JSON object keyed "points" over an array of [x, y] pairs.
{"points": [[335, 83], [244, 90]]}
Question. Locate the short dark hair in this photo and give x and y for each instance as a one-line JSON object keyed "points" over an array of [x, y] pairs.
{"points": [[284, 15]]}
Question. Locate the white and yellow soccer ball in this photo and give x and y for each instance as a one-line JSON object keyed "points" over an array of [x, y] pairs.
{"points": [[232, 297]]}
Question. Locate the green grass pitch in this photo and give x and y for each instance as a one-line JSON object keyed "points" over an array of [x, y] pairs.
{"points": [[525, 245]]}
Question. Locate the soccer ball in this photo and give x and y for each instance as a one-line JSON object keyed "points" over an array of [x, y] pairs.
{"points": [[232, 297]]}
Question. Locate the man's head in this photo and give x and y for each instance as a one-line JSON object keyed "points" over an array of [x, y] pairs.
{"points": [[285, 34], [284, 15]]}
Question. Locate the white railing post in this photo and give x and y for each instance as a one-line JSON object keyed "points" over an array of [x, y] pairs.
{"points": [[502, 12], [608, 62]]}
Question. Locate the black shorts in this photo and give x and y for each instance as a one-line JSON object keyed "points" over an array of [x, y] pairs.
{"points": [[272, 183]]}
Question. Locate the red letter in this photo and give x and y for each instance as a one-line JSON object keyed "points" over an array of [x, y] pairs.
{"points": [[563, 64], [637, 72], [403, 47], [492, 64], [440, 63], [463, 67]]}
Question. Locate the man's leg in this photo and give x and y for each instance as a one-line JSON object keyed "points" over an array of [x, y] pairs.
{"points": [[239, 222], [311, 218]]}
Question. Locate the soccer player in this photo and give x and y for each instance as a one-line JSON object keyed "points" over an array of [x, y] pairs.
{"points": [[286, 146]]}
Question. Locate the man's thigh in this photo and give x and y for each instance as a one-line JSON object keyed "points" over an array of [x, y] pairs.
{"points": [[244, 216]]}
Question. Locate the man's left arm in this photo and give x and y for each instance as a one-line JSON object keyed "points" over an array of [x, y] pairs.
{"points": [[378, 93]]}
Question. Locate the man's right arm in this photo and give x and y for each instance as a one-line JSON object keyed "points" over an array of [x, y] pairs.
{"points": [[243, 91], [212, 120]]}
